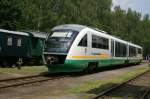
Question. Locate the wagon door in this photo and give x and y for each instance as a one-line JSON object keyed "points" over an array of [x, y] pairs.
{"points": [[1, 45], [37, 46]]}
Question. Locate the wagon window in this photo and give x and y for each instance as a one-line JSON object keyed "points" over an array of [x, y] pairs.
{"points": [[19, 42], [34, 42], [83, 41], [9, 41]]}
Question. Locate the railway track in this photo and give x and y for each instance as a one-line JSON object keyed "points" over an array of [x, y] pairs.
{"points": [[19, 81], [107, 93], [145, 95]]}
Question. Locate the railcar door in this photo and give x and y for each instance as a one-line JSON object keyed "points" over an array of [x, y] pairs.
{"points": [[84, 45], [82, 50], [112, 51], [112, 48], [89, 45]]}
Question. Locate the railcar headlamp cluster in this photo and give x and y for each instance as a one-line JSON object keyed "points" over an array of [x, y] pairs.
{"points": [[52, 59]]}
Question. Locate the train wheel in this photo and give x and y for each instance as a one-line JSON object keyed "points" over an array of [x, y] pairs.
{"points": [[19, 63], [91, 67]]}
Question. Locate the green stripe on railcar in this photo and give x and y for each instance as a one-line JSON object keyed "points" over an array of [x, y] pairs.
{"points": [[79, 65]]}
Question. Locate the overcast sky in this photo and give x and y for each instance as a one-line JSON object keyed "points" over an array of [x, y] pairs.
{"points": [[142, 6]]}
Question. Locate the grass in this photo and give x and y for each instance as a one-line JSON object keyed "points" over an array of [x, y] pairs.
{"points": [[101, 85], [25, 70]]}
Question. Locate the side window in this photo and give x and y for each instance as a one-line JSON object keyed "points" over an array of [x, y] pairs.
{"points": [[83, 41], [19, 42], [105, 43], [121, 49], [94, 42], [132, 51], [99, 42], [117, 49], [9, 41], [139, 51]]}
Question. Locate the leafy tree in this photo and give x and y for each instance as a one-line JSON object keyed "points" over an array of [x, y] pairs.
{"points": [[10, 14]]}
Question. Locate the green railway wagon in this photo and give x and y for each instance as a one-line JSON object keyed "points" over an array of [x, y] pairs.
{"points": [[36, 46], [20, 47]]}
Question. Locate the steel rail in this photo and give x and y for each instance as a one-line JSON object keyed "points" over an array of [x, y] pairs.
{"points": [[117, 86], [18, 78], [146, 94], [25, 82]]}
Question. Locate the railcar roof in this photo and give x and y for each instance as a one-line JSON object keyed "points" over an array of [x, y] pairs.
{"points": [[14, 32], [116, 38], [78, 28], [134, 45], [38, 34], [74, 27], [105, 34]]}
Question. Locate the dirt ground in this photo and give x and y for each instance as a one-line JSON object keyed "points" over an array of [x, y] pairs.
{"points": [[9, 75], [58, 89]]}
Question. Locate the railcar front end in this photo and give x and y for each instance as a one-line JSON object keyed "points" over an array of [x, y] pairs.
{"points": [[57, 47]]}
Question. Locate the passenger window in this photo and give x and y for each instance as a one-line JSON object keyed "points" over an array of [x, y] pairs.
{"points": [[94, 42], [139, 51], [9, 41], [83, 41], [19, 42], [99, 42], [132, 51], [120, 49]]}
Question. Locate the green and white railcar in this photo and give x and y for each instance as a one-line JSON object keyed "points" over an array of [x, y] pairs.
{"points": [[74, 47]]}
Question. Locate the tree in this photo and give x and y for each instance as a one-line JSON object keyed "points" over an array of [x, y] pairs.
{"points": [[10, 14]]}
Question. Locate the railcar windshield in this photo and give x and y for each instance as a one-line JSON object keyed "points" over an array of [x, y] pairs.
{"points": [[60, 41]]}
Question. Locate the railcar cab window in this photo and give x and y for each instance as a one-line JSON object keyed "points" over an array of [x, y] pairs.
{"points": [[60, 41], [9, 41], [100, 42], [83, 41]]}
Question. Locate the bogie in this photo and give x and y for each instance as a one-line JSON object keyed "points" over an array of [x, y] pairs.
{"points": [[92, 66]]}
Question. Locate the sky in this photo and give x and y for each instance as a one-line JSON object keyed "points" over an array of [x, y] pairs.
{"points": [[142, 6]]}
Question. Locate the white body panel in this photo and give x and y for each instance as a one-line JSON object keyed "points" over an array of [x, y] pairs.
{"points": [[14, 32], [88, 51]]}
